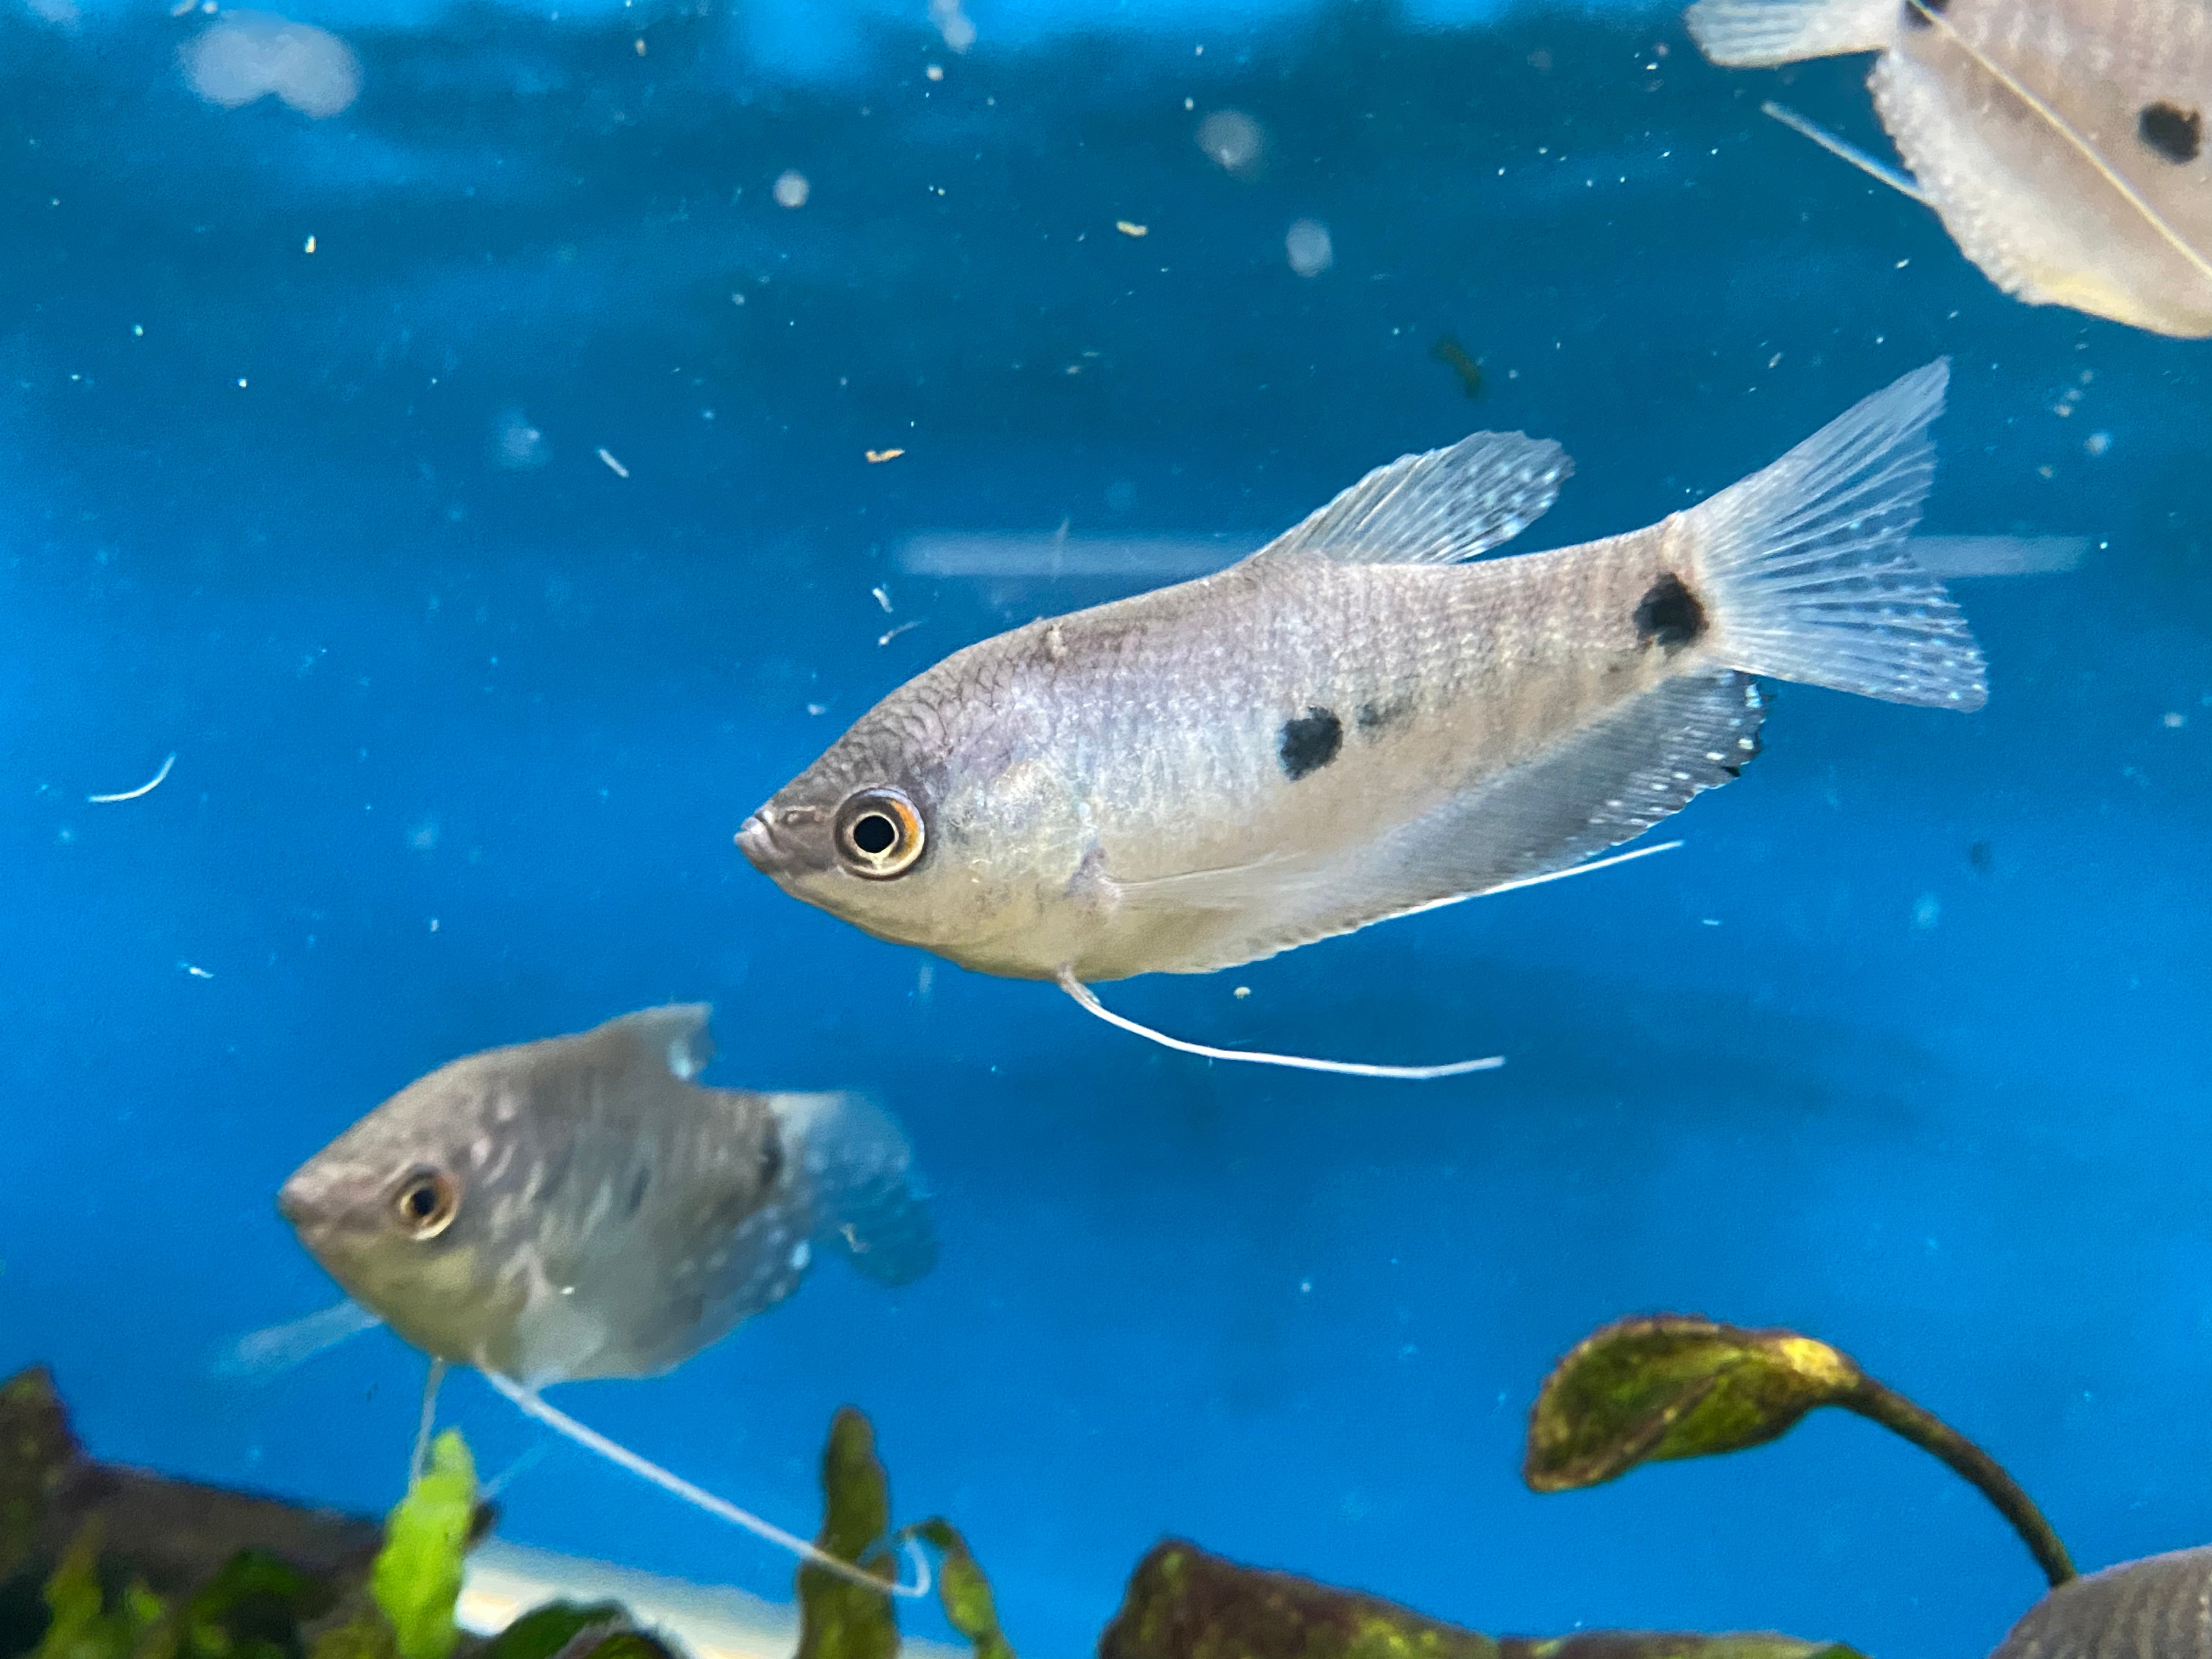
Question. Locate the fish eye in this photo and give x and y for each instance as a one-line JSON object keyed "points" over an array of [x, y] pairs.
{"points": [[879, 834], [426, 1202]]}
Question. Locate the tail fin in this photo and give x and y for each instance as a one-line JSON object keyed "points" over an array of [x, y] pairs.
{"points": [[867, 1202], [1758, 34], [1806, 563]]}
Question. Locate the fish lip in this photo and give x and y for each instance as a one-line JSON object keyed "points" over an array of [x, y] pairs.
{"points": [[292, 1202], [757, 840]]}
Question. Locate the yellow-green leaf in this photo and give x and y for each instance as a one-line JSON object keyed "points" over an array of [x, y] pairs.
{"points": [[416, 1579], [837, 1618], [1642, 1390], [970, 1607]]}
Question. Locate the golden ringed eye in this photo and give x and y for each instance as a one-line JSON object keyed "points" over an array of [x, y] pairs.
{"points": [[879, 834], [426, 1203]]}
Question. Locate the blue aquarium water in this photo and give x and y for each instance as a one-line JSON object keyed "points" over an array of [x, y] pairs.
{"points": [[469, 489]]}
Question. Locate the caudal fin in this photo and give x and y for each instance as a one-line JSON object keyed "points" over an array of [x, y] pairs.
{"points": [[1756, 33], [1809, 573], [867, 1202]]}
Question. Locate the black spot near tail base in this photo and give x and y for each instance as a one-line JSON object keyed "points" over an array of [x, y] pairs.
{"points": [[1668, 615], [1309, 742], [2176, 133]]}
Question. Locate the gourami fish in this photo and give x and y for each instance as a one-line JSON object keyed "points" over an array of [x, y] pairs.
{"points": [[2062, 142], [2154, 1609], [1353, 723], [579, 1207]]}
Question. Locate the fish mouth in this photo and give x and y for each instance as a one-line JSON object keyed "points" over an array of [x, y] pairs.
{"points": [[292, 1202], [757, 840]]}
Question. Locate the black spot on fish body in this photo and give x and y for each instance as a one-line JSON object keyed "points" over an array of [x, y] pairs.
{"points": [[2175, 133], [1373, 717], [771, 1158], [1921, 13], [1668, 615], [639, 1183], [1310, 743]]}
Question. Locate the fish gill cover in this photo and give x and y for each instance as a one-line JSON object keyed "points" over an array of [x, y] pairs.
{"points": [[472, 489]]}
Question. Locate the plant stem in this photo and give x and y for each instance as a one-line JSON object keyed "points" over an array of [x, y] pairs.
{"points": [[1931, 1434]]}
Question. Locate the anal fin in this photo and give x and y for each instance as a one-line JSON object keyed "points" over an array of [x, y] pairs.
{"points": [[1604, 784]]}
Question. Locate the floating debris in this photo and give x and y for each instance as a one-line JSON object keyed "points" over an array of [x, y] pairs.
{"points": [[1130, 227], [878, 457], [791, 189], [250, 54], [1454, 356], [143, 789], [613, 466], [952, 24], [1308, 246], [1234, 140]]}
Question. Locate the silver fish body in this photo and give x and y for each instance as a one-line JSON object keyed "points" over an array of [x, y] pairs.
{"points": [[1351, 724], [579, 1207], [2062, 142], [2160, 1608]]}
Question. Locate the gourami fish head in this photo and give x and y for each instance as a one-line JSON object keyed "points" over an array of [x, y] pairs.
{"points": [[398, 1212], [945, 818]]}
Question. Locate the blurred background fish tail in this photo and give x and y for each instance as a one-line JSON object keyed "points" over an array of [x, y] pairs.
{"points": [[866, 1199], [1747, 33]]}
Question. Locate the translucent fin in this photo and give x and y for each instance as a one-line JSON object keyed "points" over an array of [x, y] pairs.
{"points": [[675, 1036], [1806, 567], [1759, 33], [532, 1404], [426, 1420], [1594, 789], [1435, 508], [1089, 1000], [278, 1348], [864, 1199], [1879, 171]]}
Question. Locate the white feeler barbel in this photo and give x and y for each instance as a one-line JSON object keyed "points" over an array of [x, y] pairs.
{"points": [[1088, 999]]}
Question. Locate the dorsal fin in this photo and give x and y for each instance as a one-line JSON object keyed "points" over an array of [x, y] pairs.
{"points": [[1438, 507], [674, 1036]]}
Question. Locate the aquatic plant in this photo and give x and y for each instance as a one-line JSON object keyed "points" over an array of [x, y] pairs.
{"points": [[1183, 1603], [417, 1576], [1649, 1389], [841, 1620]]}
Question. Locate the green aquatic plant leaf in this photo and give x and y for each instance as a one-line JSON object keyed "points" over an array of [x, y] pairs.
{"points": [[252, 1608], [416, 1579], [1674, 1385], [544, 1631], [36, 1449], [970, 1607], [838, 1619], [81, 1623], [364, 1634], [1183, 1603], [1643, 1390]]}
